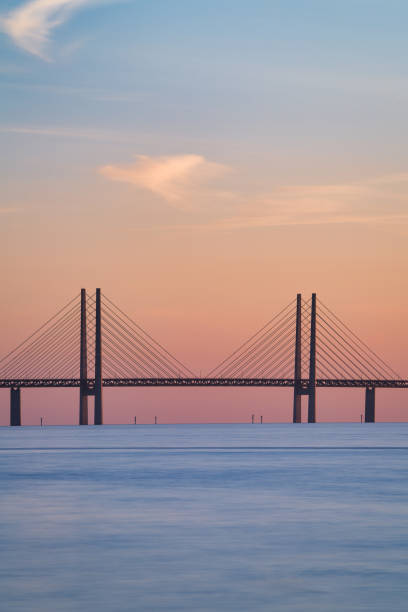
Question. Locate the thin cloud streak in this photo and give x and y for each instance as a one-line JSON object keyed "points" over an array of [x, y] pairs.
{"points": [[61, 132], [172, 178], [81, 92], [375, 200], [30, 24], [239, 223], [276, 221], [381, 200]]}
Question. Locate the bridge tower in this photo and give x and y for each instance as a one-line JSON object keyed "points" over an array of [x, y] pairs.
{"points": [[297, 390], [84, 390], [98, 360], [311, 411], [83, 367]]}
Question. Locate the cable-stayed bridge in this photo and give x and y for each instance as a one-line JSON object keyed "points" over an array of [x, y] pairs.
{"points": [[91, 344]]}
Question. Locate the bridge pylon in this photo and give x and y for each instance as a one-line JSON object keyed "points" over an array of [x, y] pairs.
{"points": [[84, 388], [297, 386], [98, 417], [83, 367], [311, 409]]}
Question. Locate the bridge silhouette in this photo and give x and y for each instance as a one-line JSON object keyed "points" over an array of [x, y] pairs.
{"points": [[304, 346]]}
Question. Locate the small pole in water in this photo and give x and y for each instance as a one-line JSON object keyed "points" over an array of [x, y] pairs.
{"points": [[361, 418], [41, 421], [135, 420], [155, 420], [261, 420], [253, 419]]}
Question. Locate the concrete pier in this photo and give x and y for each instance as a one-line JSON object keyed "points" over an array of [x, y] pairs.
{"points": [[15, 406], [370, 405]]}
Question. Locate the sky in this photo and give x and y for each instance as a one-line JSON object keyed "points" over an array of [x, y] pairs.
{"points": [[203, 162]]}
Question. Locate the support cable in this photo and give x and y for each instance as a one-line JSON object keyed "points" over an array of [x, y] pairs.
{"points": [[70, 349], [24, 361], [150, 337], [363, 348], [40, 328], [123, 356], [155, 356], [327, 370], [249, 339], [276, 364], [256, 348], [118, 367], [129, 348], [267, 361], [363, 369], [252, 351], [38, 370], [368, 367], [336, 358], [284, 362], [52, 346], [334, 364], [36, 344]]}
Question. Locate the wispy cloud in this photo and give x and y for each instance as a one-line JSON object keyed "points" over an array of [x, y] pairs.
{"points": [[377, 200], [172, 178], [102, 95], [182, 182], [66, 132], [30, 24]]}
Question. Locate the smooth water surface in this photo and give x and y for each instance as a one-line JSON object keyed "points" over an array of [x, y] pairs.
{"points": [[204, 518]]}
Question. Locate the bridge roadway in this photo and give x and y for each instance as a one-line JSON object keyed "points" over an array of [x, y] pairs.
{"points": [[202, 382]]}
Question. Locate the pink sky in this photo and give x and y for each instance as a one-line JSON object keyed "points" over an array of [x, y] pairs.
{"points": [[202, 176]]}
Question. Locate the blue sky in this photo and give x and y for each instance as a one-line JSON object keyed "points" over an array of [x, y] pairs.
{"points": [[280, 92], [264, 75]]}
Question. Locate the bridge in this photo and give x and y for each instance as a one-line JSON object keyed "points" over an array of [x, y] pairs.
{"points": [[305, 346]]}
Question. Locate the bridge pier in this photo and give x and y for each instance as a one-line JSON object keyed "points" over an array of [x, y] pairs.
{"points": [[83, 368], [370, 405], [297, 389], [83, 404], [15, 406], [98, 419]]}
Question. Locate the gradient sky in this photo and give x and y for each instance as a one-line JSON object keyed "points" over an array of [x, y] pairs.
{"points": [[202, 162]]}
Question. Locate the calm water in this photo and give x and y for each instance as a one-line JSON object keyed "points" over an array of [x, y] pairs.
{"points": [[204, 518]]}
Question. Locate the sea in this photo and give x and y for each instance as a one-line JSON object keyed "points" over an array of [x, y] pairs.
{"points": [[200, 518]]}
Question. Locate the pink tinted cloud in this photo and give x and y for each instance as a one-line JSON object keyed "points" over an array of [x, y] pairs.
{"points": [[170, 177]]}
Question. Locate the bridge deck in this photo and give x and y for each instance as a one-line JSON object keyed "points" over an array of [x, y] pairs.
{"points": [[202, 382]]}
